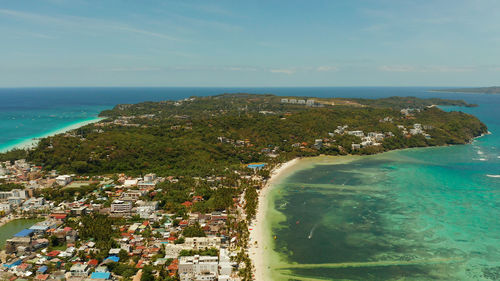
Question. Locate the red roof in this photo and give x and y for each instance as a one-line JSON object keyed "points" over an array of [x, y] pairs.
{"points": [[53, 253], [173, 267], [139, 264], [42, 277], [58, 216], [93, 262], [67, 228], [171, 238], [187, 204], [145, 223], [183, 222]]}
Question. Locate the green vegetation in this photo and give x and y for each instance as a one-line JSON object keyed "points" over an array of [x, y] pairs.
{"points": [[10, 186], [193, 231], [206, 252], [182, 139]]}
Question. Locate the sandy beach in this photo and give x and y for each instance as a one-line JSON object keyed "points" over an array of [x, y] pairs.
{"points": [[31, 142], [258, 232]]}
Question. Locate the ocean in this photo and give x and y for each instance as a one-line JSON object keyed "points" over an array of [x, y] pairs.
{"points": [[418, 214]]}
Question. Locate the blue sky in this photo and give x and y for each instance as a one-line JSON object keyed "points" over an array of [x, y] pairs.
{"points": [[249, 43]]}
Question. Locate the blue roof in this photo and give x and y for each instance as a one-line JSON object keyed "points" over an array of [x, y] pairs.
{"points": [[15, 263], [42, 269], [24, 233], [100, 275], [113, 258]]}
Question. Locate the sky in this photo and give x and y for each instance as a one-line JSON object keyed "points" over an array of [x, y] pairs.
{"points": [[249, 43]]}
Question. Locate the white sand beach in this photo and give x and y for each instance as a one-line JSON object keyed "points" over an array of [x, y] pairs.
{"points": [[258, 233], [30, 143]]}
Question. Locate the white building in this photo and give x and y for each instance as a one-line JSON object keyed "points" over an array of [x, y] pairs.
{"points": [[198, 268], [79, 270], [5, 208], [63, 180], [119, 206], [198, 243], [356, 133]]}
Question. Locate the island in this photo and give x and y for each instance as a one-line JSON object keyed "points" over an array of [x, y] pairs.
{"points": [[157, 189], [481, 90]]}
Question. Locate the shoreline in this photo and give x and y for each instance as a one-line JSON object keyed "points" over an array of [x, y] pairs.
{"points": [[32, 141], [258, 236]]}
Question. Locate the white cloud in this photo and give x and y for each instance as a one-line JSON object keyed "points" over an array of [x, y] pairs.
{"points": [[288, 71], [397, 68], [425, 69], [326, 68]]}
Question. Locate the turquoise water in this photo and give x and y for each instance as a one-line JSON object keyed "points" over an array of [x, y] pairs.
{"points": [[419, 214]]}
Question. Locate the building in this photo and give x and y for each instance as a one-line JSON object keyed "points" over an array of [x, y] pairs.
{"points": [[284, 100], [198, 243], [318, 144], [5, 208], [119, 206], [63, 180], [149, 177], [310, 102], [79, 270], [198, 268], [356, 133]]}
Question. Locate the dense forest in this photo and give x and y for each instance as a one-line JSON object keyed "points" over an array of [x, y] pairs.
{"points": [[203, 136]]}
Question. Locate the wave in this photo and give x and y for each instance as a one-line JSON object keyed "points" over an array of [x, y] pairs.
{"points": [[493, 176]]}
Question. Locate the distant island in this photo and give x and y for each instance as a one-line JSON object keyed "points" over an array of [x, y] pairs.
{"points": [[480, 90]]}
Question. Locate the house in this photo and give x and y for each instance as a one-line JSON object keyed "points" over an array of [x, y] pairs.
{"points": [[63, 180], [356, 133], [79, 270], [130, 183]]}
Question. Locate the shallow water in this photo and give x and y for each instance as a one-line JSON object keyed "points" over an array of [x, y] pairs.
{"points": [[419, 214]]}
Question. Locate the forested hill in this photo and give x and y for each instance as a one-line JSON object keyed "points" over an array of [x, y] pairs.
{"points": [[215, 135]]}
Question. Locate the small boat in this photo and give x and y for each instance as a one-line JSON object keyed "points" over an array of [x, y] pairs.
{"points": [[275, 237]]}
